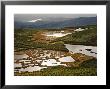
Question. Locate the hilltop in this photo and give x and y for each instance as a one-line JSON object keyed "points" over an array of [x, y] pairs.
{"points": [[72, 22]]}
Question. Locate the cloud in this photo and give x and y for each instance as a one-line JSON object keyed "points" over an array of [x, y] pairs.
{"points": [[35, 20]]}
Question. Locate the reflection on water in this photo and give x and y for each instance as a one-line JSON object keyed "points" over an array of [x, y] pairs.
{"points": [[66, 59], [87, 50], [21, 56], [58, 34], [31, 69], [39, 59]]}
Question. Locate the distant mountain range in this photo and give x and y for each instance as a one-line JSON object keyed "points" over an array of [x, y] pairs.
{"points": [[57, 24]]}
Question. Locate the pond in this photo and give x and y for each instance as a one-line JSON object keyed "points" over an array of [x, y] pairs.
{"points": [[57, 34], [20, 56], [42, 59], [87, 50]]}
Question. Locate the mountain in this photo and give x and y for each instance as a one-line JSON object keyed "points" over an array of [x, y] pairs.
{"points": [[57, 24]]}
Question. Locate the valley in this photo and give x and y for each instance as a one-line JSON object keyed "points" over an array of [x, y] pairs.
{"points": [[68, 51]]}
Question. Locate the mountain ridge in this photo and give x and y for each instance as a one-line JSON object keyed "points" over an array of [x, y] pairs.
{"points": [[81, 21]]}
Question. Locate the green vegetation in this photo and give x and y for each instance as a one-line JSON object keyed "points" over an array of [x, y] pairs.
{"points": [[86, 37], [89, 63], [82, 60], [31, 39], [87, 67], [61, 71], [25, 39]]}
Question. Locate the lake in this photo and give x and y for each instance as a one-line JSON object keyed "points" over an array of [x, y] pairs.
{"points": [[87, 50]]}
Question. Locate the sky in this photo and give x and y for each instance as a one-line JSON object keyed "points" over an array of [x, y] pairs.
{"points": [[47, 17]]}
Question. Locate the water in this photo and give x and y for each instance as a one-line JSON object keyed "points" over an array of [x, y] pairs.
{"points": [[58, 34], [20, 56], [66, 59], [87, 50], [17, 65], [46, 58], [31, 69], [51, 62]]}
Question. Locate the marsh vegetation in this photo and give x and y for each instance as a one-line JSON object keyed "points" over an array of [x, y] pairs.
{"points": [[68, 51]]}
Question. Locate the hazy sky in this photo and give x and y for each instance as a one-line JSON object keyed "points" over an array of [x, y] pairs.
{"points": [[32, 17]]}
